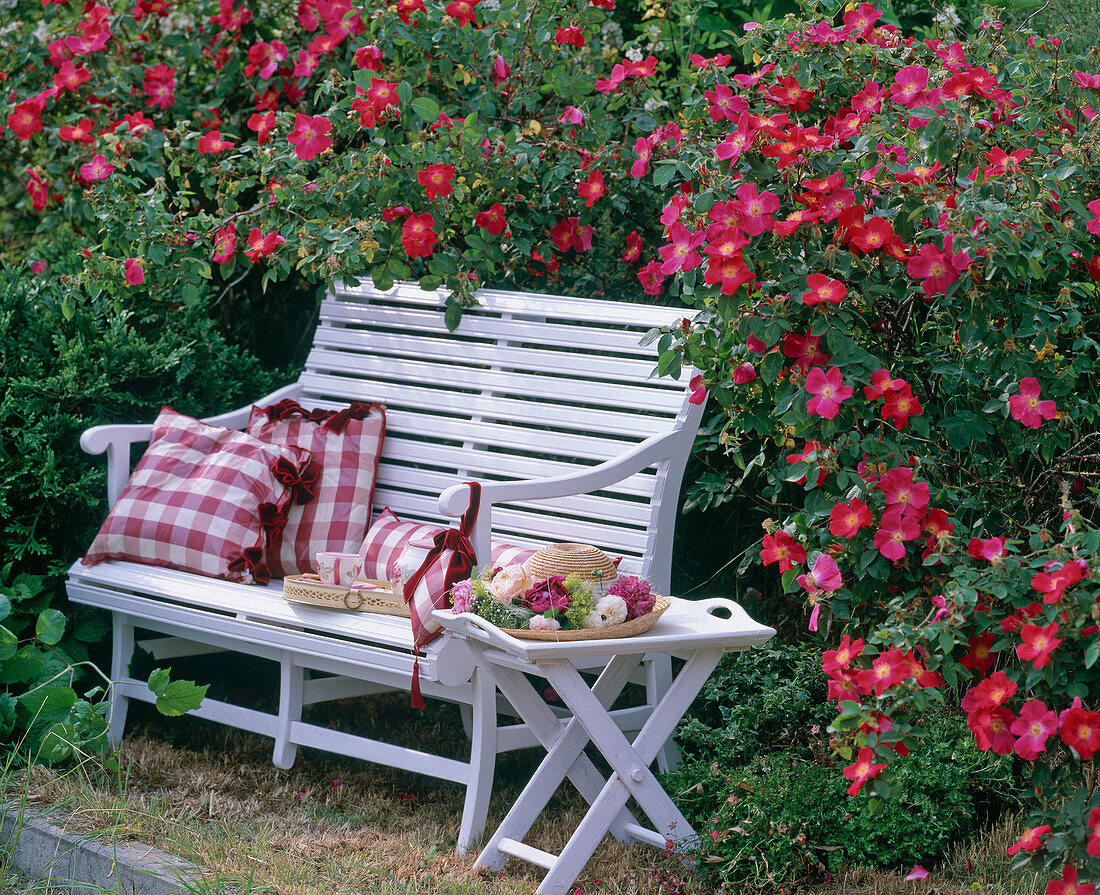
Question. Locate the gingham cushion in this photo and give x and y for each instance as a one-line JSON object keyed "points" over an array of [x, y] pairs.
{"points": [[198, 501], [389, 535], [346, 445]]}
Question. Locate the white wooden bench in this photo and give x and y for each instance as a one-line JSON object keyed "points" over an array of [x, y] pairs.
{"points": [[548, 401]]}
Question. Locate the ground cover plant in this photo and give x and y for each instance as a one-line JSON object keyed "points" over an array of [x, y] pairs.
{"points": [[884, 233]]}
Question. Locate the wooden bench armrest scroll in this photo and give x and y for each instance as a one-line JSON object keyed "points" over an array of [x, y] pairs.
{"points": [[657, 448]]}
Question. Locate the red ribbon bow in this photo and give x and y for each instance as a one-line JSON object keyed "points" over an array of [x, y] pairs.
{"points": [[251, 560]]}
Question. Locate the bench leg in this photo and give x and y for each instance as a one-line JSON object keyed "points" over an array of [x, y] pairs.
{"points": [[483, 755], [291, 688], [658, 668], [122, 648]]}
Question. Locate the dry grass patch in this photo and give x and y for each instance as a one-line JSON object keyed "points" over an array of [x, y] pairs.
{"points": [[330, 826]]}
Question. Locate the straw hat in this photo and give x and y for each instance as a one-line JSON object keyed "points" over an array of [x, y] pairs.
{"points": [[590, 563]]}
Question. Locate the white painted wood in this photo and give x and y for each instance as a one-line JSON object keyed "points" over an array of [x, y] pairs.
{"points": [[122, 647], [547, 400]]}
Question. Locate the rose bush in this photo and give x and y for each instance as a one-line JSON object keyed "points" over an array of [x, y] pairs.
{"points": [[892, 249]]}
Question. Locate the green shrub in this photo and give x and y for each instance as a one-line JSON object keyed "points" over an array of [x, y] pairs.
{"points": [[784, 817], [106, 362]]}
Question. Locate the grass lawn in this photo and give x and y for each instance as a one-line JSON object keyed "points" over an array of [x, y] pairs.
{"points": [[339, 826]]}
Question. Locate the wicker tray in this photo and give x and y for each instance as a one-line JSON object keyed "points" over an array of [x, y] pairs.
{"points": [[309, 589], [626, 629]]}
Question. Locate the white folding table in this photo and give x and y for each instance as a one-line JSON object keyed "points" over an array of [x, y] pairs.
{"points": [[697, 632]]}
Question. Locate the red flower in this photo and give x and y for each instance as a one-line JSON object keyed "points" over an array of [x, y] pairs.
{"points": [[990, 728], [1026, 406], [698, 390], [1038, 643], [887, 669], [310, 135], [937, 268], [492, 219], [1032, 840], [900, 405], [829, 392], [25, 118], [262, 123], [501, 71], [225, 244], [979, 656], [213, 142], [862, 770], [902, 493], [261, 244], [724, 104], [133, 271], [990, 693], [97, 169], [789, 93], [823, 289], [633, 250], [651, 278], [77, 133], [744, 373], [418, 236], [842, 656], [159, 84], [1094, 833], [592, 189], [1052, 584], [909, 84], [436, 180], [804, 350], [546, 595], [895, 528], [571, 35], [991, 549], [264, 58], [405, 9], [823, 578], [680, 253], [1093, 226], [755, 210], [462, 11], [846, 519], [382, 93], [369, 58], [1068, 885], [70, 77], [1034, 726], [1080, 730], [37, 189], [783, 549]]}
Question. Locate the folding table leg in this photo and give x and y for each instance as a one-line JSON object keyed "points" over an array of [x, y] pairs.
{"points": [[483, 754], [122, 649], [565, 756], [630, 763]]}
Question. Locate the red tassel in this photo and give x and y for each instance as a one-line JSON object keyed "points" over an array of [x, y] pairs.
{"points": [[415, 699]]}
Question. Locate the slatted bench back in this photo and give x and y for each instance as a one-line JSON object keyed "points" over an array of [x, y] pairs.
{"points": [[528, 386]]}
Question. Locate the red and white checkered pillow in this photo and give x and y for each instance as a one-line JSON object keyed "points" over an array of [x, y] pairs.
{"points": [[389, 535], [202, 499], [346, 445]]}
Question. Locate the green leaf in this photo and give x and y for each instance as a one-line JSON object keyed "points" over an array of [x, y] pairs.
{"points": [[452, 316], [179, 697], [664, 172], [50, 627], [1092, 653], [427, 109], [158, 680]]}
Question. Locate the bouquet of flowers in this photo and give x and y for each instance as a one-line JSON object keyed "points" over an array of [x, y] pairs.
{"points": [[510, 597]]}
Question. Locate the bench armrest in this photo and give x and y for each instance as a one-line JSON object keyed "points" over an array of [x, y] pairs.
{"points": [[115, 439], [657, 448]]}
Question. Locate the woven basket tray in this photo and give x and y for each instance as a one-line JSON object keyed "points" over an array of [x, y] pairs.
{"points": [[309, 589], [626, 629]]}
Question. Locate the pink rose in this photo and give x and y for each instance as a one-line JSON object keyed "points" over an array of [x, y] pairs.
{"points": [[462, 596], [547, 595]]}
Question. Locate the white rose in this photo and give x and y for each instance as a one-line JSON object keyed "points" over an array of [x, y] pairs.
{"points": [[610, 610], [542, 623]]}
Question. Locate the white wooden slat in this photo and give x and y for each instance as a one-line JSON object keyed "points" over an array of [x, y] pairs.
{"points": [[536, 524], [491, 465], [489, 355], [395, 481], [552, 444], [486, 328], [534, 303], [504, 382], [502, 408]]}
